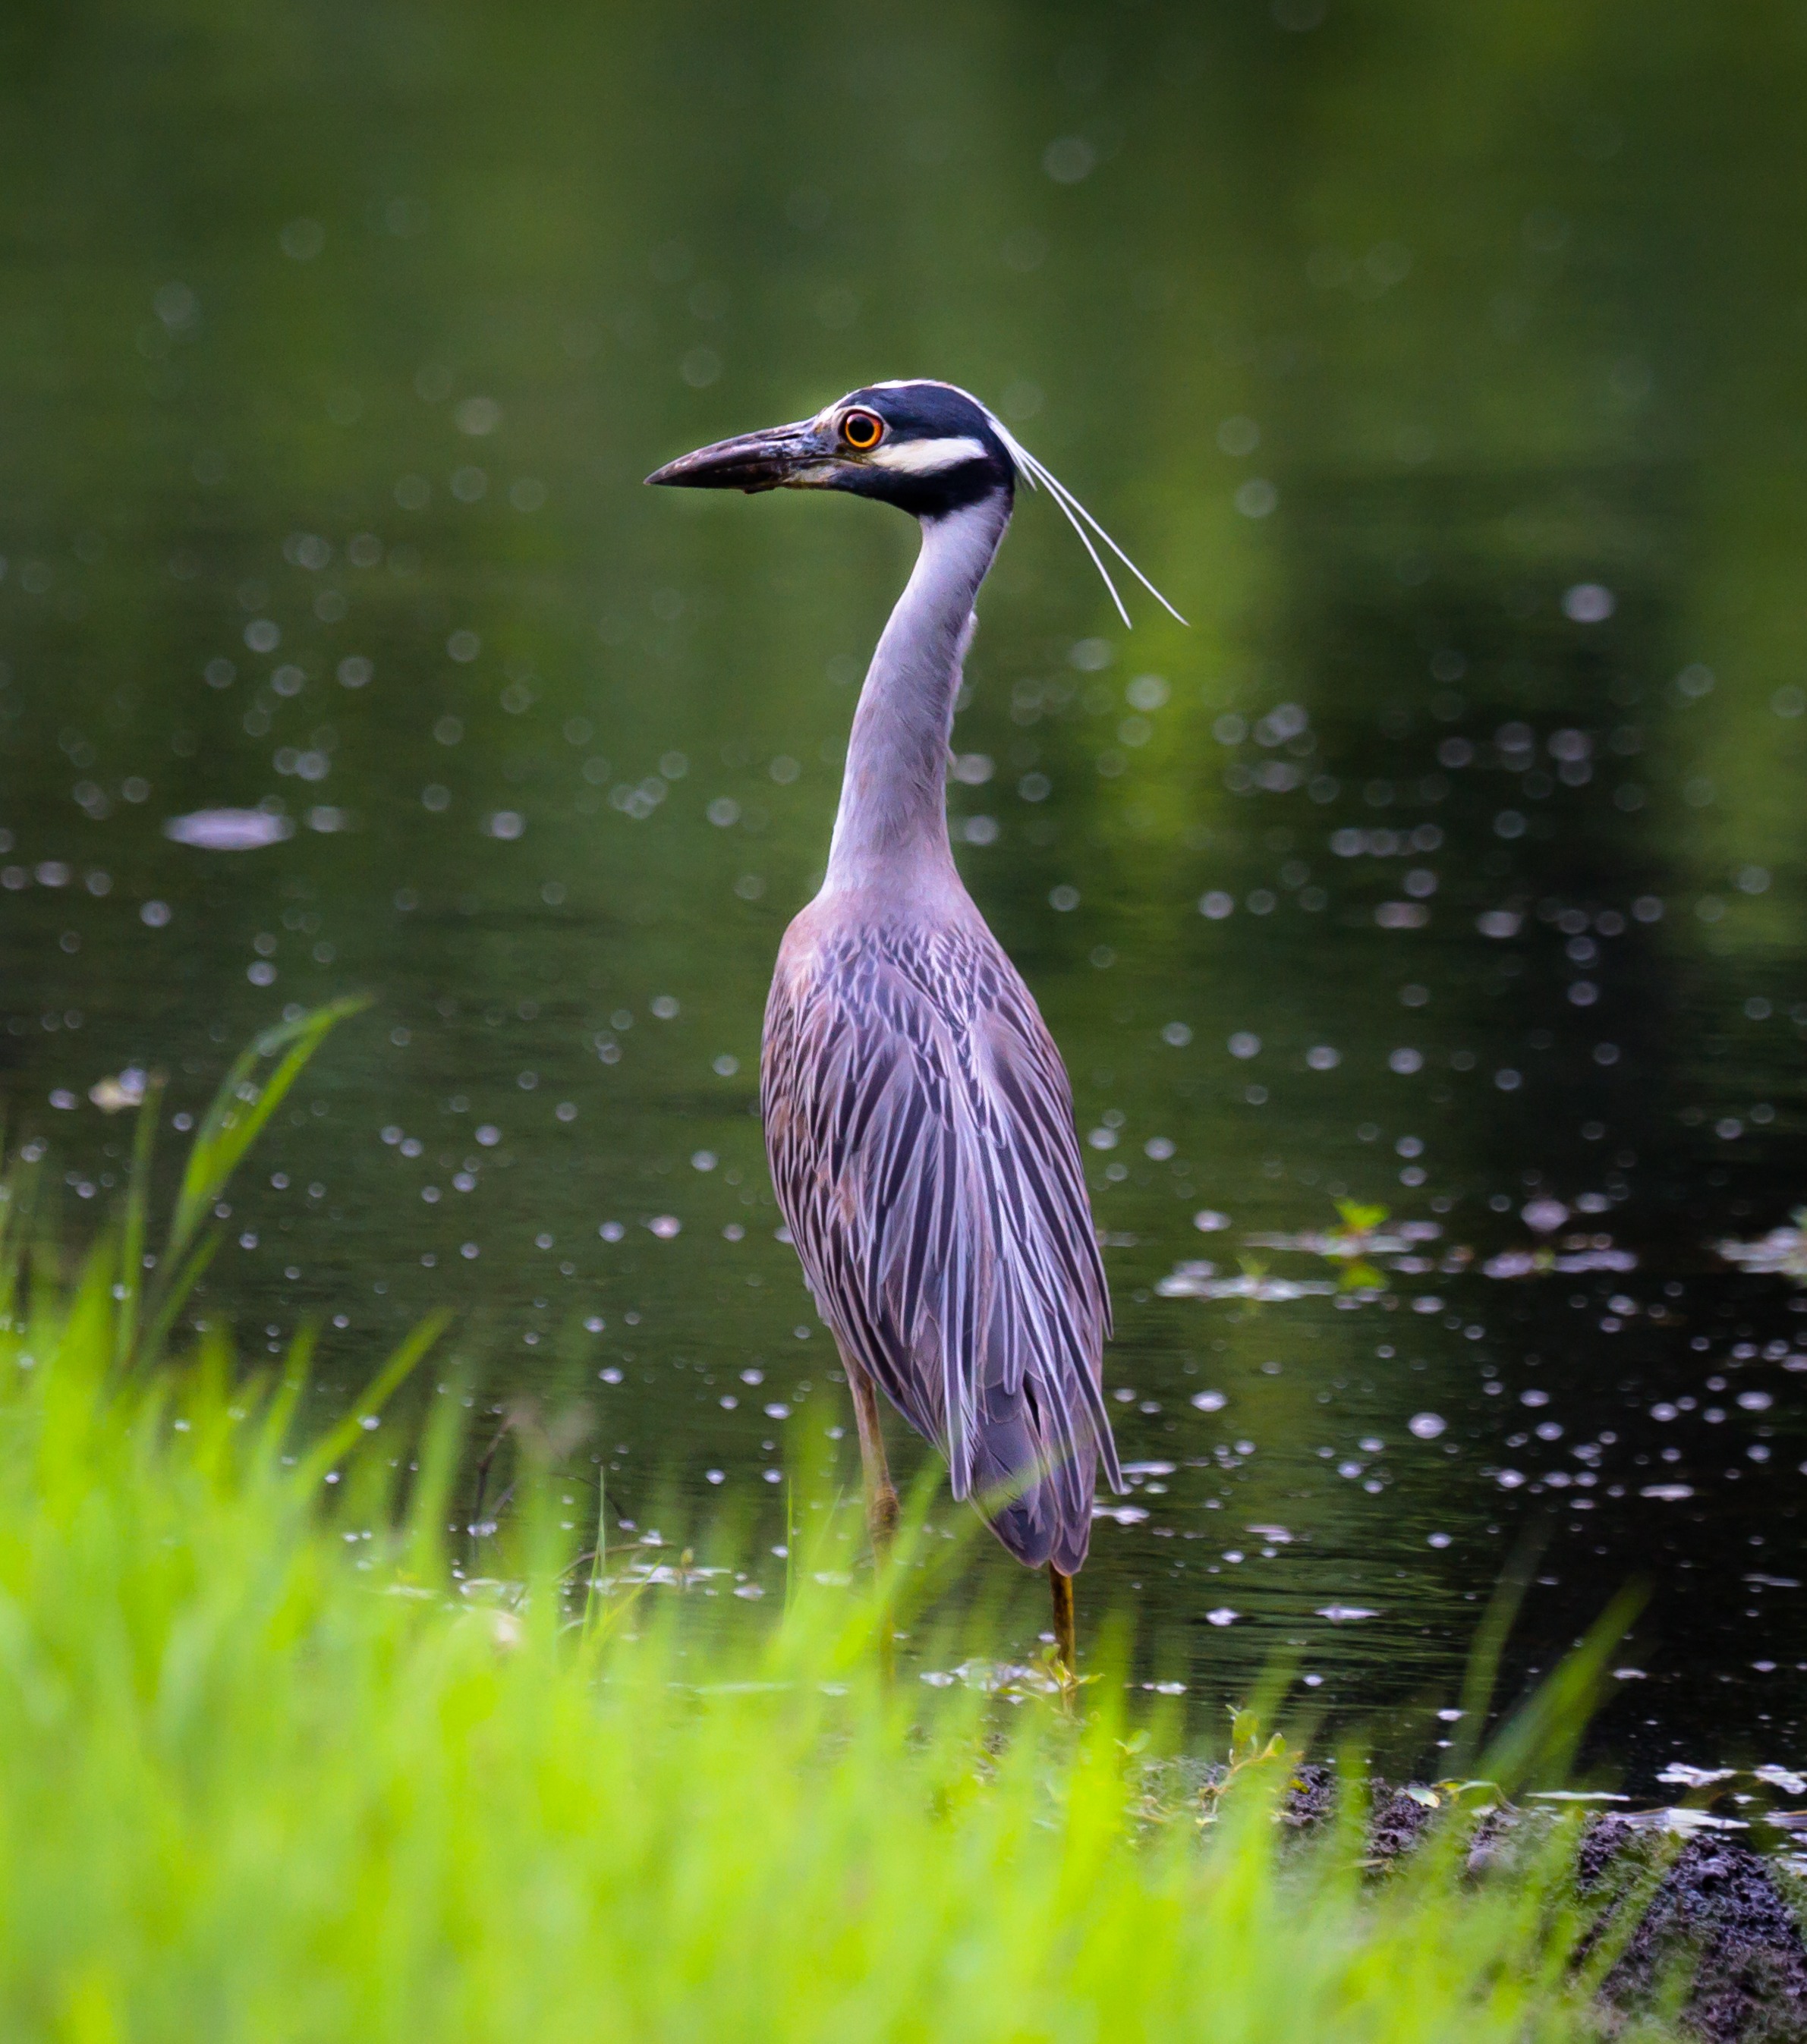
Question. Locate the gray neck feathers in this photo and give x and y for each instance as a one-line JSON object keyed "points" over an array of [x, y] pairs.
{"points": [[891, 829]]}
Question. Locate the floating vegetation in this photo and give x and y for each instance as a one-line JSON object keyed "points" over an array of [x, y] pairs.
{"points": [[1363, 1233], [1783, 1252], [1014, 1681], [1366, 1248], [1200, 1281], [1576, 1254], [633, 1571]]}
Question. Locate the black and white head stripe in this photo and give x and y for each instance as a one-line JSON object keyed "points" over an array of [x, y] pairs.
{"points": [[939, 430], [933, 457]]}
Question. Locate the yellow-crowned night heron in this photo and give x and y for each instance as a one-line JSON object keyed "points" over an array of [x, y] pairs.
{"points": [[917, 1115]]}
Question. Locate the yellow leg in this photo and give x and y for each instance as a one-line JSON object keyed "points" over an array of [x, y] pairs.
{"points": [[880, 1494], [1065, 1646]]}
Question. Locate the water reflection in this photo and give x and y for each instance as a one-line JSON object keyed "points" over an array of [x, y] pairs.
{"points": [[1451, 864]]}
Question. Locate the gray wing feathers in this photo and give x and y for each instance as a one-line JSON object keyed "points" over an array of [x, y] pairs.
{"points": [[920, 1132]]}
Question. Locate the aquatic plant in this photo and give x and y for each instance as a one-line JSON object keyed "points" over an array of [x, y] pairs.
{"points": [[1361, 1237], [1361, 1232]]}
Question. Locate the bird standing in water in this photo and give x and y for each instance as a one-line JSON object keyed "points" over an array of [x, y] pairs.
{"points": [[918, 1117]]}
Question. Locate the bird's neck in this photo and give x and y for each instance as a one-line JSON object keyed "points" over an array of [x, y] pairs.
{"points": [[891, 829]]}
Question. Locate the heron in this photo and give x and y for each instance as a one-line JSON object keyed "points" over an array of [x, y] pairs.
{"points": [[918, 1119]]}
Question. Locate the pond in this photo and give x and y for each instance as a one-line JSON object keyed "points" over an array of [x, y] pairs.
{"points": [[1445, 371]]}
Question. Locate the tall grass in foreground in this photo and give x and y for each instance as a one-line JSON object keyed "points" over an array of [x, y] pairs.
{"points": [[269, 1771]]}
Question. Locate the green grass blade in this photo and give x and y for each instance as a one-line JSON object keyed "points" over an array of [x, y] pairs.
{"points": [[236, 1116], [426, 1530], [132, 1229], [169, 1299], [1539, 1740], [1482, 1673], [351, 1430], [240, 1108]]}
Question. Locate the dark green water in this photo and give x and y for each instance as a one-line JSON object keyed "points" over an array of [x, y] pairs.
{"points": [[1444, 366]]}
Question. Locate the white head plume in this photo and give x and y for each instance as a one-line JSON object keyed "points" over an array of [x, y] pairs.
{"points": [[1039, 477], [1036, 475]]}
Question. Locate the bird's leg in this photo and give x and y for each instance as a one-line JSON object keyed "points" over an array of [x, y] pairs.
{"points": [[1065, 1649], [880, 1494]]}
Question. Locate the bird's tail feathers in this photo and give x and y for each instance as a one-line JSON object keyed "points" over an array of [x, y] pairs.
{"points": [[1037, 1502]]}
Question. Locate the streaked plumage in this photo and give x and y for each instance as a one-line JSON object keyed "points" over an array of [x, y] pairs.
{"points": [[921, 1133], [918, 1119]]}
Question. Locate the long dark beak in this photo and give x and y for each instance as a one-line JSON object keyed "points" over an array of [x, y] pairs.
{"points": [[780, 455]]}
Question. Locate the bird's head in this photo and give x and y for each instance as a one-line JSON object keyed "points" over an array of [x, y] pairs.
{"points": [[928, 447]]}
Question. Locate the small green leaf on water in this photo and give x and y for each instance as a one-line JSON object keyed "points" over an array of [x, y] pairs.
{"points": [[1360, 1220]]}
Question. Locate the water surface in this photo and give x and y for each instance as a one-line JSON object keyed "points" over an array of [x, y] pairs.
{"points": [[1446, 372]]}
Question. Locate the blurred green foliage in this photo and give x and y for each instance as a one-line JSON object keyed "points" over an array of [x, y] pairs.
{"points": [[276, 1767]]}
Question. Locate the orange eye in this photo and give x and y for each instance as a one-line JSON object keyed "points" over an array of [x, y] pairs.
{"points": [[862, 431]]}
